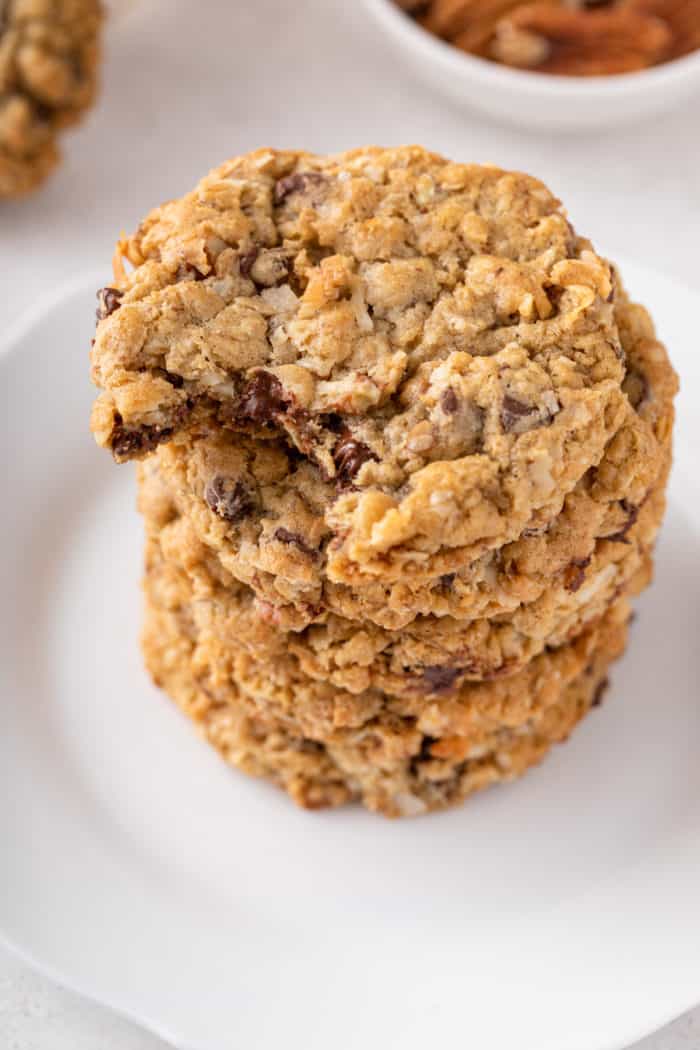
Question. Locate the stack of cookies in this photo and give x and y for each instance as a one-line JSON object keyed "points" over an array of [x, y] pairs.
{"points": [[404, 443]]}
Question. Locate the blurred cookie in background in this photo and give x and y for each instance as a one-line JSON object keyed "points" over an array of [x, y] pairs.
{"points": [[49, 53]]}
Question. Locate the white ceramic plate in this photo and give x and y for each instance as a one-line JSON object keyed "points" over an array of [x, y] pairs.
{"points": [[561, 913]]}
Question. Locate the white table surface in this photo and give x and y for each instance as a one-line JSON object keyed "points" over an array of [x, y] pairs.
{"points": [[186, 85]]}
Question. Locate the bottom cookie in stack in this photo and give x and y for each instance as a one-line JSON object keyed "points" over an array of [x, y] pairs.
{"points": [[398, 755]]}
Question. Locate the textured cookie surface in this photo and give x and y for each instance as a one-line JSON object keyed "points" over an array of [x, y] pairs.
{"points": [[432, 338], [48, 60], [431, 655], [404, 446], [281, 680], [398, 759], [269, 515]]}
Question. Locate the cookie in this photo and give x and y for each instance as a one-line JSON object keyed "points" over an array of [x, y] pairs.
{"points": [[268, 513], [433, 338], [321, 708], [48, 65], [431, 655], [397, 760]]}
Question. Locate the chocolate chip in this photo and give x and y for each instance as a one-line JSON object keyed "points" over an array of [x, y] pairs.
{"points": [[298, 183], [246, 261], [349, 455], [108, 300], [575, 573], [512, 411], [285, 536], [332, 421], [632, 513], [231, 500], [449, 401], [262, 399], [423, 754], [440, 679], [425, 746], [446, 581], [137, 441], [600, 690]]}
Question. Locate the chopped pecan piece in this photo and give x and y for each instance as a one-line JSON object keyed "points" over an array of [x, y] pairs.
{"points": [[682, 18], [550, 39], [455, 19]]}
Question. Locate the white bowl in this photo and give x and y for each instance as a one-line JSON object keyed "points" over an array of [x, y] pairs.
{"points": [[538, 99]]}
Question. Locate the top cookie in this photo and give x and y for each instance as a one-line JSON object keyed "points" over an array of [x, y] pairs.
{"points": [[48, 59], [268, 517], [433, 336]]}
